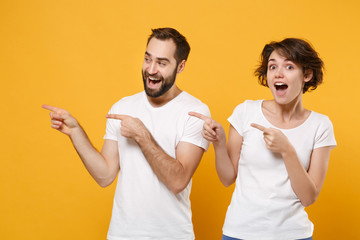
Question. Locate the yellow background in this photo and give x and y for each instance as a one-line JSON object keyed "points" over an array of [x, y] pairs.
{"points": [[85, 55]]}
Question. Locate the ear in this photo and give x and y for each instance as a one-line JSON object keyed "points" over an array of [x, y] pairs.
{"points": [[308, 75], [181, 66]]}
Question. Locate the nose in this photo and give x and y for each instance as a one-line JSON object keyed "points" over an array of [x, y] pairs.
{"points": [[152, 69], [279, 73]]}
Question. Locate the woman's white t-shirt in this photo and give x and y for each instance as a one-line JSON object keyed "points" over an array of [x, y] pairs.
{"points": [[264, 205]]}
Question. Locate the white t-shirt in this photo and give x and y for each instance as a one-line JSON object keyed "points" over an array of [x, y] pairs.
{"points": [[264, 205], [144, 208]]}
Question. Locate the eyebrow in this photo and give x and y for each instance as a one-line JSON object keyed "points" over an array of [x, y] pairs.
{"points": [[160, 59], [286, 60]]}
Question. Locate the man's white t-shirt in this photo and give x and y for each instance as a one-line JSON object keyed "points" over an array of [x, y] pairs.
{"points": [[144, 208], [264, 205]]}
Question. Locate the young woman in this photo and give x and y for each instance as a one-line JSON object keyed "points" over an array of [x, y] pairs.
{"points": [[277, 150]]}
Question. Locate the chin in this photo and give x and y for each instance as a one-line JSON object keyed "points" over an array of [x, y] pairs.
{"points": [[285, 101]]}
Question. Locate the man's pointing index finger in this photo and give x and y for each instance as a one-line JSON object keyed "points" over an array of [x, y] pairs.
{"points": [[51, 108], [116, 116]]}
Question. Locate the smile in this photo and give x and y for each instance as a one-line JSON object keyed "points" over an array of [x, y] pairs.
{"points": [[281, 86], [154, 80]]}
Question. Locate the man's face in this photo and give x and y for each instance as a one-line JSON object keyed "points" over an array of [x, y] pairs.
{"points": [[159, 68]]}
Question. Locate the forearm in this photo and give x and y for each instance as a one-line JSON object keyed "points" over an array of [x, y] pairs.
{"points": [[301, 182], [94, 162], [224, 166], [169, 170]]}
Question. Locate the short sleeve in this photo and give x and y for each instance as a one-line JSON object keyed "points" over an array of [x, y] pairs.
{"points": [[112, 126], [194, 127], [325, 134], [237, 118]]}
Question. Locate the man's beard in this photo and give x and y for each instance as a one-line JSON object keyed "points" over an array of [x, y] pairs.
{"points": [[166, 84]]}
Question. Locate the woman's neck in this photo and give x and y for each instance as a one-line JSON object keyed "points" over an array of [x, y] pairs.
{"points": [[285, 115]]}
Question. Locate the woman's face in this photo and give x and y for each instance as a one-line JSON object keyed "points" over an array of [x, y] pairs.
{"points": [[285, 79]]}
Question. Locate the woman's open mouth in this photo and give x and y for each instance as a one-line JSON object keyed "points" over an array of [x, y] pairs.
{"points": [[281, 88]]}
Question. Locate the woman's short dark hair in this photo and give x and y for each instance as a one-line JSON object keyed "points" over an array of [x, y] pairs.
{"points": [[298, 51], [182, 46]]}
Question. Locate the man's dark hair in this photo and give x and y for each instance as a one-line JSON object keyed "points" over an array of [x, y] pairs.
{"points": [[182, 46]]}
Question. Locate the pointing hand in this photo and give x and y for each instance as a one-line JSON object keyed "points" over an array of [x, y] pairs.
{"points": [[131, 127], [275, 140], [61, 120], [212, 130]]}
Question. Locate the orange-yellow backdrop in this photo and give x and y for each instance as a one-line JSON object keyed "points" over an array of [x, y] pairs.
{"points": [[85, 55]]}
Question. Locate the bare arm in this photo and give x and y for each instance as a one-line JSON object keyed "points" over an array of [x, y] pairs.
{"points": [[226, 155], [234, 149], [306, 184], [104, 166], [174, 173]]}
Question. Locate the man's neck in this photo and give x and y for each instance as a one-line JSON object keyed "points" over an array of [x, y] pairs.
{"points": [[165, 98]]}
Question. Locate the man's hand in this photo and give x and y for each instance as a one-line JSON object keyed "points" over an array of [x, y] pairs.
{"points": [[62, 120], [275, 140], [212, 130], [131, 127], [175, 173]]}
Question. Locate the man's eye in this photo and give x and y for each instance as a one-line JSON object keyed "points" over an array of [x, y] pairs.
{"points": [[161, 64], [147, 59]]}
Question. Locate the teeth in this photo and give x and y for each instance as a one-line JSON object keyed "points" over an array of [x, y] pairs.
{"points": [[280, 84], [153, 79]]}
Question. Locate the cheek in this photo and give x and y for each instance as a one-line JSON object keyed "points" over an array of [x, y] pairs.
{"points": [[269, 80], [298, 85], [167, 73], [270, 76]]}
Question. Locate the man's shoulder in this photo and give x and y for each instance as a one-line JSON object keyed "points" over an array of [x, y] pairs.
{"points": [[132, 98], [189, 100], [128, 101], [187, 103]]}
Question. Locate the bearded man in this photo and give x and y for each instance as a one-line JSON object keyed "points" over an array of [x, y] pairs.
{"points": [[151, 143]]}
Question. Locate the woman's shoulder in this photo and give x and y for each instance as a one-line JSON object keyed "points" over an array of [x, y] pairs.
{"points": [[318, 117], [249, 103]]}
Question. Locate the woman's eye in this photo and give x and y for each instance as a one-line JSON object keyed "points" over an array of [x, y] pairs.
{"points": [[271, 67], [289, 67]]}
